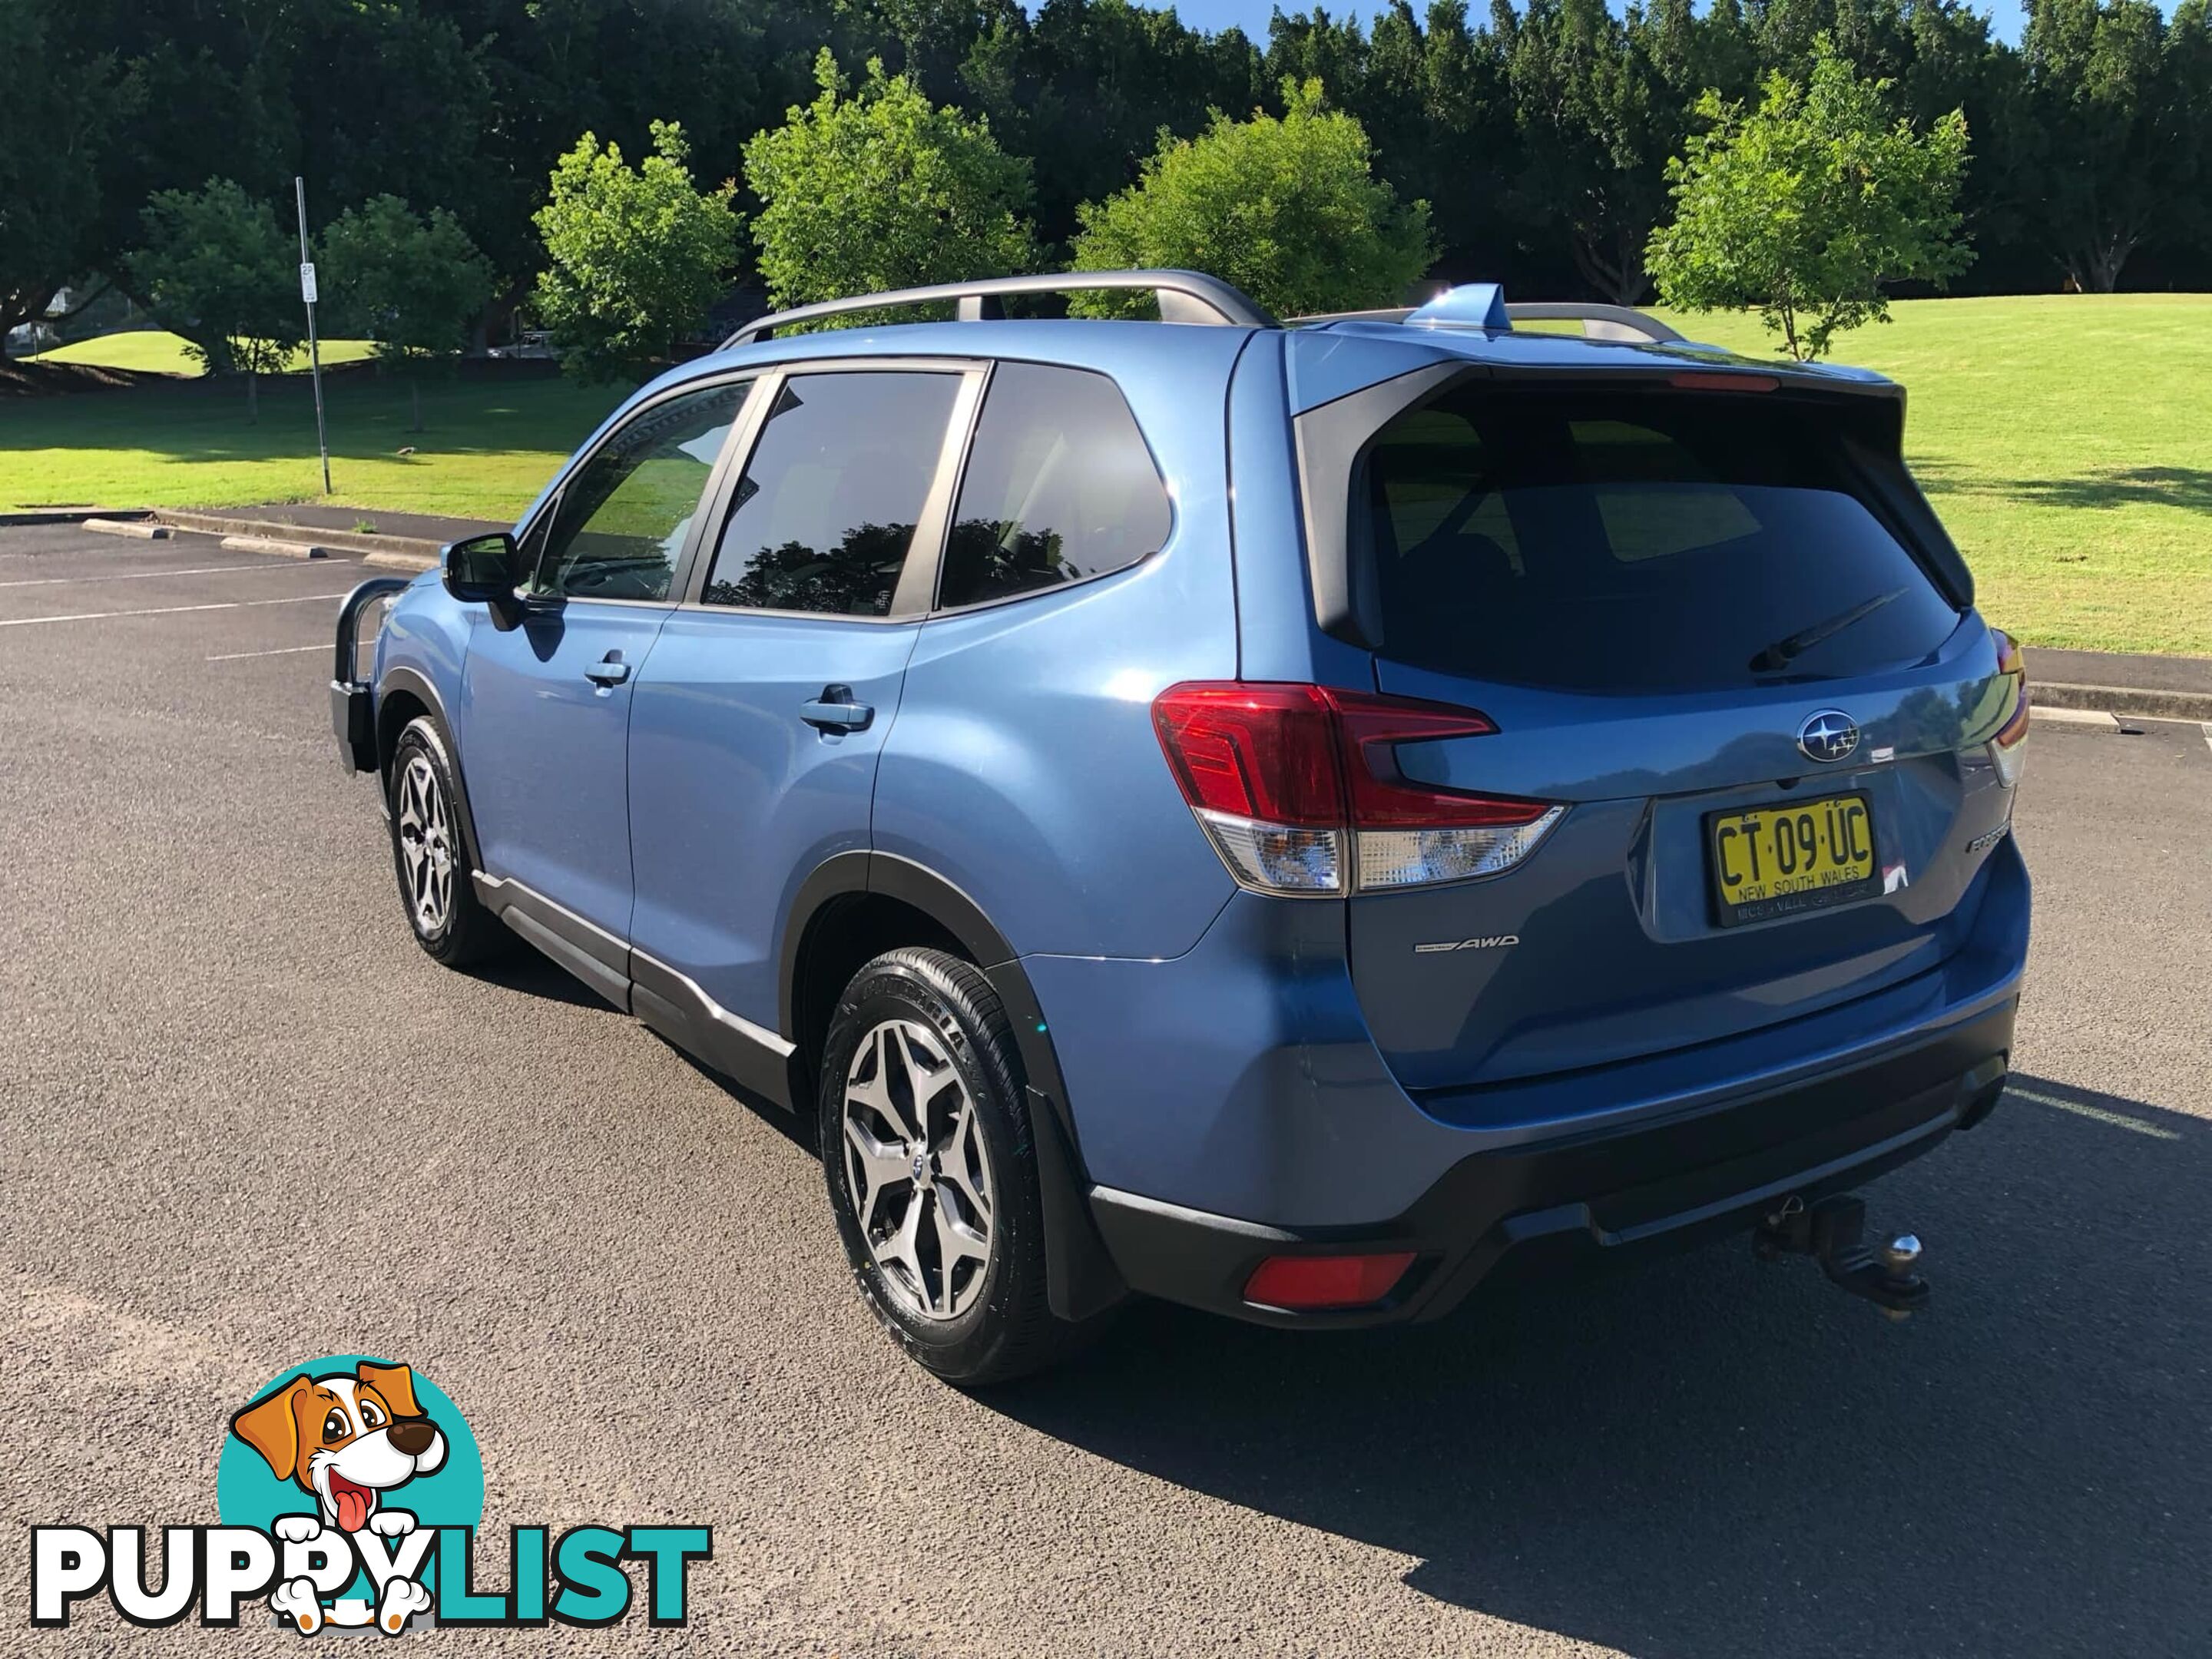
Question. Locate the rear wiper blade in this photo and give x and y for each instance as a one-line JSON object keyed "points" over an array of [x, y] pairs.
{"points": [[1786, 650]]}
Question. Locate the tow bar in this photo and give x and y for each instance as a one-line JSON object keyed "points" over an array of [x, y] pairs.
{"points": [[1829, 1231]]}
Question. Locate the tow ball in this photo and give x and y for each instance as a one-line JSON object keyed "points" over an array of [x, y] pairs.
{"points": [[1830, 1231]]}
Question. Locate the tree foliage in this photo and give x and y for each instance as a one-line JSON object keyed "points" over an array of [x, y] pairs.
{"points": [[413, 284], [880, 189], [1539, 132], [216, 268], [1087, 87], [1288, 209], [637, 255], [2121, 142], [1810, 206], [57, 120]]}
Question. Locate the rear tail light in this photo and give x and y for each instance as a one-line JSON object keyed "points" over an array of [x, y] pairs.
{"points": [[1307, 1284], [2008, 749], [1300, 789]]}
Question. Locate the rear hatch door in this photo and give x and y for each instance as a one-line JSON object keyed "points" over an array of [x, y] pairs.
{"points": [[1706, 614]]}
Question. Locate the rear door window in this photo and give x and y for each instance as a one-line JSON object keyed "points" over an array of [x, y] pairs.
{"points": [[1624, 540], [1060, 487], [823, 516]]}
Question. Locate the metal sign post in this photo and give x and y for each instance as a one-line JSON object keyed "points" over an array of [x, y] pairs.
{"points": [[314, 351]]}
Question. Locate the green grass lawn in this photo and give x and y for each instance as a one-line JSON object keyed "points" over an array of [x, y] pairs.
{"points": [[488, 448], [151, 350], [2066, 440]]}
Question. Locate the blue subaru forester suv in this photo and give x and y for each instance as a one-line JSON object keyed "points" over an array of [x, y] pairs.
{"points": [[1290, 820]]}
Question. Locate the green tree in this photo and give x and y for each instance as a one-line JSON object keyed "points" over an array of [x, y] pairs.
{"points": [[1808, 206], [638, 254], [1287, 209], [56, 119], [2117, 168], [880, 189], [1086, 88], [1433, 100], [411, 285], [1596, 121], [216, 269]]}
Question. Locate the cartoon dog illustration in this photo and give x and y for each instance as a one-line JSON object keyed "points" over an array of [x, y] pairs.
{"points": [[348, 1440]]}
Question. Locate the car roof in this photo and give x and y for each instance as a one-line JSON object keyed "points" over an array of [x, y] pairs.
{"points": [[1327, 359]]}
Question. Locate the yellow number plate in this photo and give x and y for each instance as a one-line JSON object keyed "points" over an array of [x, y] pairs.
{"points": [[1777, 860]]}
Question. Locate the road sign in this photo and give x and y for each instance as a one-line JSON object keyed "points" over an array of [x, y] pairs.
{"points": [[307, 281]]}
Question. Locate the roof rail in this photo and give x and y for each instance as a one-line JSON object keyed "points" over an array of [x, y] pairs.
{"points": [[1599, 322], [1185, 296]]}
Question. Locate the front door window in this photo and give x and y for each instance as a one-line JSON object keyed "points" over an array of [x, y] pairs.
{"points": [[623, 515]]}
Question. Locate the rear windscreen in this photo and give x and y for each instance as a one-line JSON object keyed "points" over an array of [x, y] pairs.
{"points": [[1611, 539]]}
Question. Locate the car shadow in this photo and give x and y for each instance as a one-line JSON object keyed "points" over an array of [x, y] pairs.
{"points": [[1705, 1455], [2186, 487], [525, 971], [797, 1127]]}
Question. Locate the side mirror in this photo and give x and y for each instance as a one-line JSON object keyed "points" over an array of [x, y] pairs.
{"points": [[484, 570]]}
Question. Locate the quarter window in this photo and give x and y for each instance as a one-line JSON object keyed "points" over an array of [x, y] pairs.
{"points": [[1060, 486], [625, 513], [824, 515]]}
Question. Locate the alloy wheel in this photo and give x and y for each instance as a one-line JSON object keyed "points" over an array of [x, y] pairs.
{"points": [[426, 845], [916, 1170]]}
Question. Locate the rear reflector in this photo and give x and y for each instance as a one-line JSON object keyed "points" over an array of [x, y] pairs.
{"points": [[1307, 1284], [2008, 749], [1300, 788]]}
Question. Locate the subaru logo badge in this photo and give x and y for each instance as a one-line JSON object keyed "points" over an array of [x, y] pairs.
{"points": [[1830, 735]]}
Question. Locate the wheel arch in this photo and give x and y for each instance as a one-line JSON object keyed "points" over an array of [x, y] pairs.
{"points": [[858, 904], [403, 697]]}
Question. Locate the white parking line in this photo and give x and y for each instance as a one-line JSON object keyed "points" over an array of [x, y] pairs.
{"points": [[281, 651], [147, 575], [2118, 1120], [162, 611], [2207, 729]]}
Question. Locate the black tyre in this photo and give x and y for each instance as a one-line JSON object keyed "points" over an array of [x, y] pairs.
{"points": [[925, 1137], [430, 855]]}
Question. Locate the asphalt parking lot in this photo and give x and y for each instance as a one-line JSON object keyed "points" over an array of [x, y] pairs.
{"points": [[244, 1122]]}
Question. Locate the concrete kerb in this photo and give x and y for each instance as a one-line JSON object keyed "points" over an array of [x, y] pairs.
{"points": [[278, 530], [395, 561], [31, 518], [264, 544], [2112, 701]]}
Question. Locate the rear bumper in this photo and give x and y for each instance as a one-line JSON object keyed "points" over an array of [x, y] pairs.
{"points": [[1650, 1185]]}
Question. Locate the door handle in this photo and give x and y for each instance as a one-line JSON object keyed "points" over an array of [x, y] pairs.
{"points": [[612, 671], [834, 710]]}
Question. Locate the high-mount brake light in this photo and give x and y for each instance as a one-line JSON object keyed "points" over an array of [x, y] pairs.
{"points": [[1691, 381], [1300, 789], [2008, 749]]}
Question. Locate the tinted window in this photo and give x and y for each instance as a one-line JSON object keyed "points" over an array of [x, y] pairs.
{"points": [[1629, 540], [1060, 486], [623, 513], [826, 511]]}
